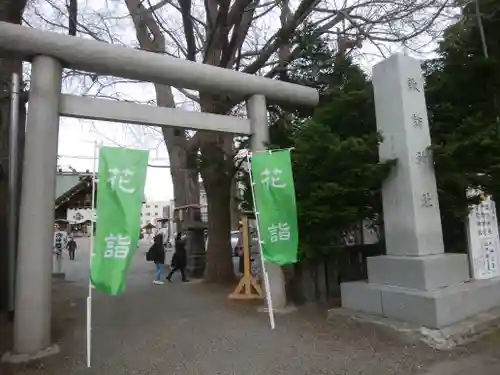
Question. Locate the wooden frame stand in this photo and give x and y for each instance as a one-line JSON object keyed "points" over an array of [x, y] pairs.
{"points": [[248, 287]]}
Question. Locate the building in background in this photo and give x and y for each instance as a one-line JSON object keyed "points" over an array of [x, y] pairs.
{"points": [[168, 210], [73, 190], [73, 203], [167, 223], [152, 211], [73, 199]]}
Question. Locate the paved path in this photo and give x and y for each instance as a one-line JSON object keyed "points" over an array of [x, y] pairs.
{"points": [[188, 329]]}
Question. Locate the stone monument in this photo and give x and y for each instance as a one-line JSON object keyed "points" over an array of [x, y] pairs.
{"points": [[416, 281], [484, 240]]}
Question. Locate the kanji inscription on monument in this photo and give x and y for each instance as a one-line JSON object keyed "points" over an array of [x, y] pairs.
{"points": [[417, 120], [423, 156], [413, 84], [427, 199]]}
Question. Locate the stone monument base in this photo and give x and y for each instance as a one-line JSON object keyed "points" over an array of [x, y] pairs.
{"points": [[428, 308], [446, 338]]}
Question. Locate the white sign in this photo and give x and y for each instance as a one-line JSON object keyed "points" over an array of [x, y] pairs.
{"points": [[484, 241], [78, 215]]}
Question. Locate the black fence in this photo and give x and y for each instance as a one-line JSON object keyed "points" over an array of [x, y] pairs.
{"points": [[318, 280]]}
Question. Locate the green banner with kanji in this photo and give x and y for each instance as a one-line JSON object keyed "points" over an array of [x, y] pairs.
{"points": [[120, 192], [276, 211]]}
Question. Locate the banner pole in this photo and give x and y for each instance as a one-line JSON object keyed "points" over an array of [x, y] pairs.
{"points": [[89, 297], [262, 260]]}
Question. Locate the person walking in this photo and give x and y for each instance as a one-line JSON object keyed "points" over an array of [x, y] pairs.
{"points": [[72, 248], [179, 259], [156, 254], [158, 257]]}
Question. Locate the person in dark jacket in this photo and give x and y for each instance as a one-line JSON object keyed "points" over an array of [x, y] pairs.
{"points": [[158, 257], [71, 248], [179, 258]]}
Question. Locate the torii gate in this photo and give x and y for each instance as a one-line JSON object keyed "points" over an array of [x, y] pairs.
{"points": [[48, 52]]}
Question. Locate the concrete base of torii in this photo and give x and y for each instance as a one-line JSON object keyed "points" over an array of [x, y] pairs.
{"points": [[15, 358], [278, 291]]}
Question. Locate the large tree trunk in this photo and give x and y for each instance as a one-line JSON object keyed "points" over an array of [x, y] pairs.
{"points": [[10, 11], [219, 266], [234, 204], [217, 170], [184, 177], [184, 174]]}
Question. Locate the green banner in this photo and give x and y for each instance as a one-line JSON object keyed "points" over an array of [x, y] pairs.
{"points": [[274, 194], [120, 192]]}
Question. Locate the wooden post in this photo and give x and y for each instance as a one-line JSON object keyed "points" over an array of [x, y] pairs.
{"points": [[244, 288]]}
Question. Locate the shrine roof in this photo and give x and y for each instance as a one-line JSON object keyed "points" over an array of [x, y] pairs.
{"points": [[70, 183]]}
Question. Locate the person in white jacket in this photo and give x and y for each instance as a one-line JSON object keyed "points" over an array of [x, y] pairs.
{"points": [[60, 244]]}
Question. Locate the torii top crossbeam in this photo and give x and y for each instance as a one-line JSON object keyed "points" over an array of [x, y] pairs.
{"points": [[107, 59]]}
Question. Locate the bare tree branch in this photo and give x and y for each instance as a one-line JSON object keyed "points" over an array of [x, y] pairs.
{"points": [[72, 17], [241, 27], [185, 6], [283, 34], [188, 95], [217, 39], [285, 48]]}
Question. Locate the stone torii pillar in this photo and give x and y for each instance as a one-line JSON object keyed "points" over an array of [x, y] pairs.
{"points": [[257, 112], [33, 309]]}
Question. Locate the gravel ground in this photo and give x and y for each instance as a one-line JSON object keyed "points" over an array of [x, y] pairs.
{"points": [[192, 328]]}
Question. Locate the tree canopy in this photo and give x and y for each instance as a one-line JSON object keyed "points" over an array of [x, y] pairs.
{"points": [[335, 161], [337, 173], [335, 151], [462, 98]]}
